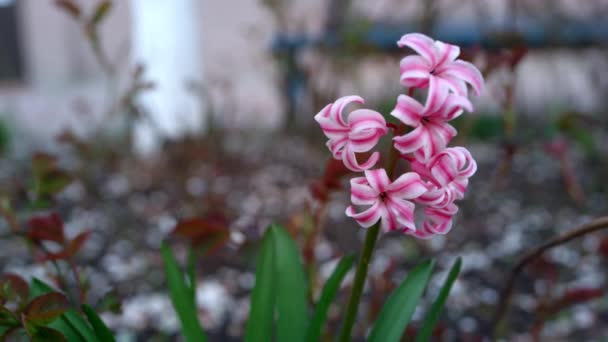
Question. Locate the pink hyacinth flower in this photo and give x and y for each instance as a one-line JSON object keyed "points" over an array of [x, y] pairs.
{"points": [[389, 201], [436, 66], [431, 132], [447, 175], [359, 132]]}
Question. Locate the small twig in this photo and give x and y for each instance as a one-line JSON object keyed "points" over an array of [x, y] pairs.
{"points": [[505, 295]]}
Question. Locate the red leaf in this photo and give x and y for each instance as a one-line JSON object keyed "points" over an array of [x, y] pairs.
{"points": [[334, 171], [12, 285], [72, 248], [45, 308], [212, 231], [46, 228]]}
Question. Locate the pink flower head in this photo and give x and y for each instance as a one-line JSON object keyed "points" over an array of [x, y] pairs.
{"points": [[388, 201], [359, 132], [432, 132], [436, 67], [447, 175]]}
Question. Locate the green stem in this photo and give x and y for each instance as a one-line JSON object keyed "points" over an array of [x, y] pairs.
{"points": [[360, 275]]}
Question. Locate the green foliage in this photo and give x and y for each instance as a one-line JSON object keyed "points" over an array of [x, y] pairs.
{"points": [[327, 295], [400, 305], [70, 324], [100, 328], [181, 290], [291, 290], [261, 315], [45, 308], [432, 317]]}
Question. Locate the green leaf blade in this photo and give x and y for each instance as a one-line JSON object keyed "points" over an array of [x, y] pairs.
{"points": [[261, 316], [432, 317], [327, 295], [401, 304], [292, 307], [101, 329], [182, 300]]}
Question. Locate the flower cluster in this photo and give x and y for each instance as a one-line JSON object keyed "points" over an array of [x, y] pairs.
{"points": [[439, 174]]}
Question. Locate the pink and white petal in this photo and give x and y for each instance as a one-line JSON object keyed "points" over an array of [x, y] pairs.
{"points": [[333, 130], [454, 84], [441, 133], [404, 211], [413, 67], [408, 110], [416, 82], [388, 222], [377, 179], [350, 160], [454, 106], [324, 113], [439, 221], [364, 141], [361, 119], [459, 187], [365, 218], [466, 72], [421, 234], [412, 141], [336, 147], [337, 108], [467, 165], [432, 197], [434, 144], [444, 169], [361, 193], [446, 52], [423, 45], [437, 94], [407, 186]]}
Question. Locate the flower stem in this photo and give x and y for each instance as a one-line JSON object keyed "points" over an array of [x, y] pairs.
{"points": [[360, 275], [366, 255]]}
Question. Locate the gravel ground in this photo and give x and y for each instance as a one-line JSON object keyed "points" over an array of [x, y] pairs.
{"points": [[132, 205]]}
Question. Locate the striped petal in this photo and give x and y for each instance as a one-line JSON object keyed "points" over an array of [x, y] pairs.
{"points": [[350, 160], [408, 110], [378, 179], [423, 45], [365, 218], [389, 221], [361, 193], [446, 53], [407, 186], [438, 92], [466, 72], [412, 141], [404, 212], [414, 70]]}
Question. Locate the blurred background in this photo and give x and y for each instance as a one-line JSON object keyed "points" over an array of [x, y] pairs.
{"points": [[161, 111]]}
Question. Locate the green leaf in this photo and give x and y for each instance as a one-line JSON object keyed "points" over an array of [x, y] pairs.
{"points": [[400, 305], [181, 296], [101, 329], [7, 318], [432, 316], [70, 324], [261, 315], [46, 334], [46, 308], [292, 307], [327, 295]]}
